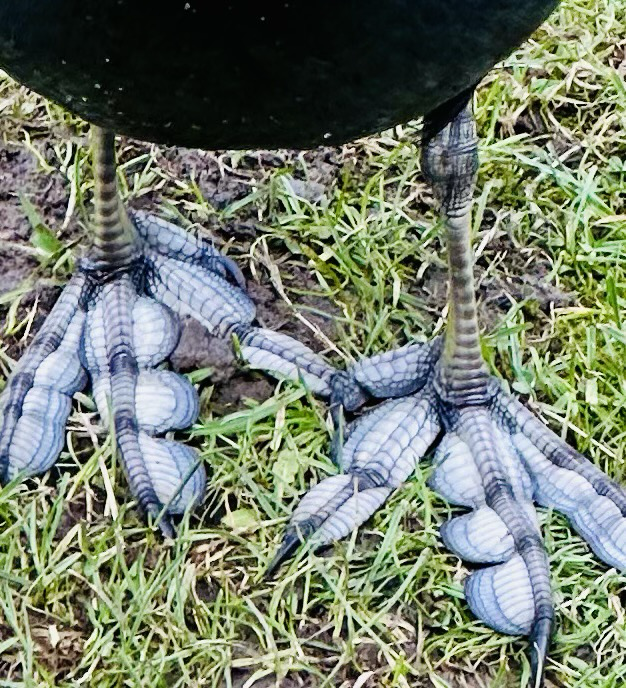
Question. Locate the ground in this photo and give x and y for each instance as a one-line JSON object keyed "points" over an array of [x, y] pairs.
{"points": [[342, 249]]}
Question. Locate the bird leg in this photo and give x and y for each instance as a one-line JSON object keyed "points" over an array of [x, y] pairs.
{"points": [[491, 455], [114, 324]]}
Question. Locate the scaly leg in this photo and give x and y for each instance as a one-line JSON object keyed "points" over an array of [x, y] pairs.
{"points": [[495, 457], [114, 323]]}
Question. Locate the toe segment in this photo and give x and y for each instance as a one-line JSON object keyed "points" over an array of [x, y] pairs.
{"points": [[169, 241], [567, 481], [390, 440], [36, 402], [503, 596], [283, 356], [191, 289], [383, 449], [163, 401], [166, 477], [479, 537], [155, 332], [399, 372]]}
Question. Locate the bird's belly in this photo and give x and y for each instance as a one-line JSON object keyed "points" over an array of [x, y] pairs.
{"points": [[268, 73]]}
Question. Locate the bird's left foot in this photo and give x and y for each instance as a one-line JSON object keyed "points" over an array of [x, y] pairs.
{"points": [[492, 456]]}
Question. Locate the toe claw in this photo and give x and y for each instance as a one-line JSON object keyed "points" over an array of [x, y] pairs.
{"points": [[288, 546], [166, 527], [160, 519], [338, 436], [233, 271], [540, 637]]}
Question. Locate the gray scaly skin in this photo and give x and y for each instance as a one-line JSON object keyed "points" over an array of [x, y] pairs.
{"points": [[118, 320], [115, 322]]}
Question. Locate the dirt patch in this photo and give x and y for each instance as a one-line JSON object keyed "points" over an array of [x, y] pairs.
{"points": [[242, 387], [525, 277], [232, 385], [197, 349], [275, 314], [20, 172], [58, 647], [226, 178]]}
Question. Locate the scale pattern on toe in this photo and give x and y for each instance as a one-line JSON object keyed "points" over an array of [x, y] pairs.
{"points": [[282, 356], [162, 238], [36, 402], [398, 372], [190, 289], [381, 452], [502, 596], [169, 240], [162, 474], [565, 480], [116, 326]]}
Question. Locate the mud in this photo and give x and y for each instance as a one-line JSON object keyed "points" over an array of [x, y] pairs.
{"points": [[19, 173]]}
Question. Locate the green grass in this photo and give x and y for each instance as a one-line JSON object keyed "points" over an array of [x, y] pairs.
{"points": [[90, 597]]}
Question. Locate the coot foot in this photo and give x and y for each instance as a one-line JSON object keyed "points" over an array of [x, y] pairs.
{"points": [[491, 454], [114, 324]]}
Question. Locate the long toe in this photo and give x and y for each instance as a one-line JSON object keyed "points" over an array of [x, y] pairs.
{"points": [[285, 357], [168, 240], [477, 466], [399, 372], [381, 453], [126, 336]]}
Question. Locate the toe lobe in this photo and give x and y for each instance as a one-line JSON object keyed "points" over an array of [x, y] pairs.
{"points": [[502, 596], [479, 537], [36, 401]]}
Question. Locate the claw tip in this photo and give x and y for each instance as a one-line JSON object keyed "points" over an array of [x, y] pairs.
{"points": [[161, 520], [539, 641], [290, 543]]}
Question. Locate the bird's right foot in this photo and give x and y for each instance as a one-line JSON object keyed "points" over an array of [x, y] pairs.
{"points": [[115, 327]]}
